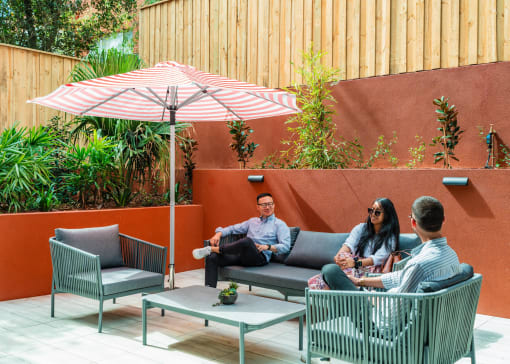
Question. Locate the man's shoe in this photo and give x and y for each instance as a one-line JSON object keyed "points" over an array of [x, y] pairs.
{"points": [[202, 252]]}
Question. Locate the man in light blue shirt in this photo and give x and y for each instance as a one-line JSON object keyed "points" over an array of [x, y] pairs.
{"points": [[265, 235]]}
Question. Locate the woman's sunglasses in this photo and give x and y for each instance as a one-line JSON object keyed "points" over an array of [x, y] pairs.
{"points": [[376, 213]]}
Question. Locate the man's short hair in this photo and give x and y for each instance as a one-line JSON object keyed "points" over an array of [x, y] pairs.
{"points": [[265, 194], [428, 213]]}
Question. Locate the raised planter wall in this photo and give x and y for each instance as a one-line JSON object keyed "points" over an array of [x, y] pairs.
{"points": [[25, 262], [336, 200]]}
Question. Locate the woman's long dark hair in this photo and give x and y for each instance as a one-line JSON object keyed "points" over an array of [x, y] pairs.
{"points": [[390, 228]]}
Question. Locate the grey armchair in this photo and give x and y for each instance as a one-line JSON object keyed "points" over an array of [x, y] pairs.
{"points": [[100, 263], [434, 326]]}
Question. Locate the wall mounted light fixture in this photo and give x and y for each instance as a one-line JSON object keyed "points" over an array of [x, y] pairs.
{"points": [[455, 181], [256, 178]]}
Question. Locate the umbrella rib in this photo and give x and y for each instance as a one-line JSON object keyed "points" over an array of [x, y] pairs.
{"points": [[157, 96], [147, 97], [194, 97], [225, 106], [166, 98], [277, 103], [105, 101]]}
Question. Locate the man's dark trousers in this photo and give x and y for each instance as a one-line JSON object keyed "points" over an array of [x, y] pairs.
{"points": [[241, 252]]}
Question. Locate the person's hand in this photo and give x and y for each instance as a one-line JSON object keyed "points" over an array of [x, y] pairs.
{"points": [[261, 247], [344, 262], [215, 240]]}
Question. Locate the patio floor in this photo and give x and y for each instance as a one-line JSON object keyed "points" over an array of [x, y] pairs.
{"points": [[29, 335]]}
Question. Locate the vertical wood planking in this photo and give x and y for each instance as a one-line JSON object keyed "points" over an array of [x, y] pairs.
{"points": [[189, 32], [285, 42], [274, 43], [307, 24], [157, 35], [468, 32], [242, 40], [339, 37], [316, 26], [223, 37], [152, 37], [383, 37], [398, 50], [164, 35], [232, 39], [415, 27], [487, 31], [367, 38], [4, 85], [432, 43], [251, 56], [327, 32], [503, 30], [214, 66], [353, 40], [204, 36], [170, 38], [45, 69], [196, 32], [450, 33], [263, 43], [18, 79], [297, 46], [179, 31]]}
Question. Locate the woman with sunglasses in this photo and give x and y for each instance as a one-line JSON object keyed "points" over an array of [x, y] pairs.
{"points": [[369, 244]]}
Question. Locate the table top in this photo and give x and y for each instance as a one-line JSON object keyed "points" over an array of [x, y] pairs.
{"points": [[253, 310]]}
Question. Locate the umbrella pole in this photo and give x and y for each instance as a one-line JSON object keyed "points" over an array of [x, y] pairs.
{"points": [[171, 266]]}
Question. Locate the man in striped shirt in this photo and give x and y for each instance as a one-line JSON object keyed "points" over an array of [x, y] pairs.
{"points": [[433, 260]]}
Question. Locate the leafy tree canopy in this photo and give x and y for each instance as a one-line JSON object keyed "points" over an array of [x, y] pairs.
{"points": [[67, 27]]}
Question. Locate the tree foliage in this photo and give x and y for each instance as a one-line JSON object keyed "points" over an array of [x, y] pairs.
{"points": [[67, 27], [450, 132]]}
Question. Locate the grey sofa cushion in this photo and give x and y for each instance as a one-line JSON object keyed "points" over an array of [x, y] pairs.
{"points": [[466, 272], [103, 241], [408, 242], [315, 249], [273, 274], [280, 258]]}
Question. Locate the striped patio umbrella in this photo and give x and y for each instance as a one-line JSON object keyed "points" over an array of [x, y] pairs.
{"points": [[169, 92]]}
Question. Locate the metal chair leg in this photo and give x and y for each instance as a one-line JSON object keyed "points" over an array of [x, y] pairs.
{"points": [[100, 323]]}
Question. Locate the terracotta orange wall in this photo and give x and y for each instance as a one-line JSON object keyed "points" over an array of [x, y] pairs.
{"points": [[370, 107], [336, 200], [25, 262]]}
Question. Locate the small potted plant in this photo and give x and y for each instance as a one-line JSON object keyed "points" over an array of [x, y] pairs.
{"points": [[228, 295]]}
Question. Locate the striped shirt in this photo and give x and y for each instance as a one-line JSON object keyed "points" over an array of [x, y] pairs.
{"points": [[433, 260]]}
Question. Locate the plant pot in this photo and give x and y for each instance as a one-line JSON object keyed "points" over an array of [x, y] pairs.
{"points": [[228, 300]]}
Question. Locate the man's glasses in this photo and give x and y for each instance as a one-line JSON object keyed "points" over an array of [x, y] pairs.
{"points": [[376, 213], [266, 204]]}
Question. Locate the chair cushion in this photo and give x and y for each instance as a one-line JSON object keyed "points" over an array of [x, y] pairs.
{"points": [[408, 242], [103, 241], [315, 249], [466, 272], [280, 258], [272, 274], [122, 279]]}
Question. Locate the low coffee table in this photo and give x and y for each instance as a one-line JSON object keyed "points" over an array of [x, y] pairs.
{"points": [[249, 313]]}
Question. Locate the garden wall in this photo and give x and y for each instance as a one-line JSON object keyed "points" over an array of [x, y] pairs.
{"points": [[25, 262], [376, 106], [336, 200]]}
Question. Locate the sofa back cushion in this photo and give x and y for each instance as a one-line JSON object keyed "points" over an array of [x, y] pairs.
{"points": [[408, 242], [315, 249], [103, 241], [280, 258]]}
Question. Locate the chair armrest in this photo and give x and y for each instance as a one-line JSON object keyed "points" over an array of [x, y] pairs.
{"points": [[400, 265], [75, 269], [143, 255]]}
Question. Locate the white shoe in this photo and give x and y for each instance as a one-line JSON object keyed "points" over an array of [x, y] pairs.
{"points": [[202, 252]]}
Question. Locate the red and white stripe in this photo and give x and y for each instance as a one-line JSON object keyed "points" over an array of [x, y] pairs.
{"points": [[246, 100]]}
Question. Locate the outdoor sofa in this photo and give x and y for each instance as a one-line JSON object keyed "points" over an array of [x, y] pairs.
{"points": [[100, 263], [289, 273]]}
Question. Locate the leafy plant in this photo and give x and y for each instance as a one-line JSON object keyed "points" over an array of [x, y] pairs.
{"points": [[91, 169], [447, 118], [382, 149], [240, 145], [313, 143], [25, 165], [417, 153], [231, 290], [504, 160], [188, 146]]}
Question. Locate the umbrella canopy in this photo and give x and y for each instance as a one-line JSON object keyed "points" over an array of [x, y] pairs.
{"points": [[170, 92], [149, 94]]}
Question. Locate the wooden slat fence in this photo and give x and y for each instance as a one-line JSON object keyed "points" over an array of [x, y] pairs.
{"points": [[261, 41], [25, 74]]}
